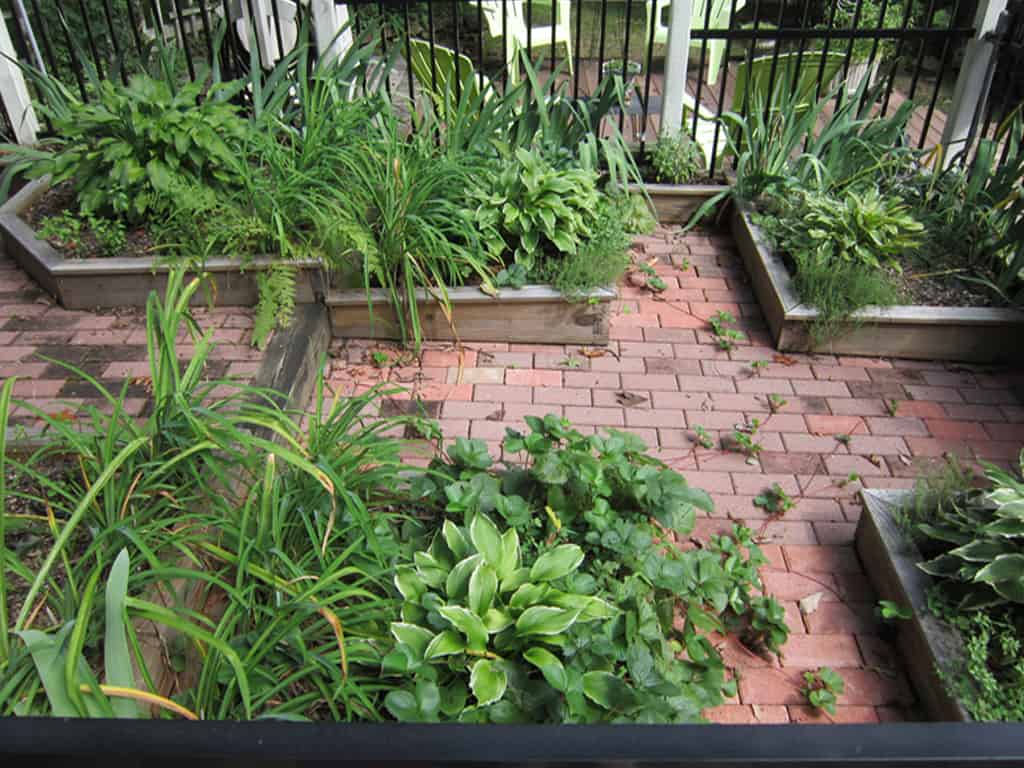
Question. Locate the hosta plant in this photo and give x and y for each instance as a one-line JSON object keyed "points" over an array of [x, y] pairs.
{"points": [[128, 147], [980, 537], [533, 208]]}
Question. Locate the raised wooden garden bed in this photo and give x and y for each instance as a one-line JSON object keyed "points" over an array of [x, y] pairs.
{"points": [[890, 560], [531, 314], [676, 203], [972, 334], [127, 281]]}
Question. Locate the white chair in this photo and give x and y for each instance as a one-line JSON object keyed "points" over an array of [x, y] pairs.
{"points": [[657, 14], [508, 20], [264, 25]]}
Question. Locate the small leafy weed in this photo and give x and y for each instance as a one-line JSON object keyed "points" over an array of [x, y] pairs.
{"points": [[571, 362], [744, 439], [890, 611], [775, 501], [758, 367], [379, 359], [892, 406], [843, 440], [776, 402], [823, 688], [704, 440], [725, 336]]}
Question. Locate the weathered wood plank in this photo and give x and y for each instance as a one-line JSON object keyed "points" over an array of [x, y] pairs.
{"points": [[890, 560], [535, 314]]}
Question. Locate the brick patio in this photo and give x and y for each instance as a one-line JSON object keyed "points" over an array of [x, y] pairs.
{"points": [[663, 351], [109, 346]]}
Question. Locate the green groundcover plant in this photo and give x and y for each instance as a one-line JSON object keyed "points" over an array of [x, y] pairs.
{"points": [[222, 558]]}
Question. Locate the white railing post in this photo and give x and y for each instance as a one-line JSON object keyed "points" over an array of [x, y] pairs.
{"points": [[14, 92], [971, 90], [328, 18], [676, 57]]}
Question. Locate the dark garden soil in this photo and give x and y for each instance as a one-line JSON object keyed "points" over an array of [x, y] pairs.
{"points": [[942, 287], [61, 198], [28, 535]]}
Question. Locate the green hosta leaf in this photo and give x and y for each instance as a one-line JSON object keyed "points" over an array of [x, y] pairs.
{"points": [[556, 563], [1006, 576], [471, 454], [497, 620], [518, 578], [430, 571], [468, 623], [444, 644], [1009, 528], [408, 583], [455, 539], [527, 595], [550, 667], [591, 608], [608, 691], [457, 584], [487, 540], [415, 638], [546, 620], [402, 706], [509, 553], [488, 682], [982, 551], [483, 586]]}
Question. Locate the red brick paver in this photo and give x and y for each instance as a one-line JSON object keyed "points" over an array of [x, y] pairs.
{"points": [[108, 346]]}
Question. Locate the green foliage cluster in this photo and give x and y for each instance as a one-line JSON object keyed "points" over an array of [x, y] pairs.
{"points": [[839, 247], [316, 168], [545, 592], [971, 539], [600, 260], [676, 159], [533, 208], [68, 231], [125, 148]]}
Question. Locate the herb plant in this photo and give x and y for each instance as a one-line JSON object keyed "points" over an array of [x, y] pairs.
{"points": [[676, 159]]}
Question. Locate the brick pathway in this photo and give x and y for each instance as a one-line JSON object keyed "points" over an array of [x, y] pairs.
{"points": [[663, 351], [109, 347]]}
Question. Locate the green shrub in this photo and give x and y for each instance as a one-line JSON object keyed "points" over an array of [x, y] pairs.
{"points": [[676, 159]]}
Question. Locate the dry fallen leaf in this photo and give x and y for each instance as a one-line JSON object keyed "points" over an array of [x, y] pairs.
{"points": [[498, 415], [905, 459], [588, 352], [784, 359], [810, 603], [629, 399], [875, 459]]}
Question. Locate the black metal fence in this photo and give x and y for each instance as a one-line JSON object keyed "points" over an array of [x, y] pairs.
{"points": [[910, 48]]}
